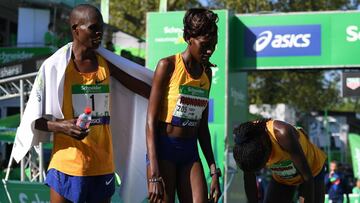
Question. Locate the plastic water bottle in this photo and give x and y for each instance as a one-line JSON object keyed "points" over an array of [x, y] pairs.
{"points": [[84, 119]]}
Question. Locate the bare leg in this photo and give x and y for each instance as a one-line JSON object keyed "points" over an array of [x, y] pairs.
{"points": [[279, 193], [57, 198], [168, 173], [192, 184]]}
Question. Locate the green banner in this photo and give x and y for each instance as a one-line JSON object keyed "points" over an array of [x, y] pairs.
{"points": [[24, 192], [237, 102], [33, 192], [354, 141], [10, 54], [165, 38], [278, 41]]}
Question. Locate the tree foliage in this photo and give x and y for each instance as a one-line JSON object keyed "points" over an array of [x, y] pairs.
{"points": [[251, 6], [310, 5], [242, 6], [130, 16], [306, 91]]}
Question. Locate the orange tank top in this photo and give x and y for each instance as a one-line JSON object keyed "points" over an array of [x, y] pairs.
{"points": [[281, 165], [94, 154], [185, 98]]}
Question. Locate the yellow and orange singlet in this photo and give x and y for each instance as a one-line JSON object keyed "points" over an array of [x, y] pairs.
{"points": [[281, 165], [94, 154], [185, 97]]}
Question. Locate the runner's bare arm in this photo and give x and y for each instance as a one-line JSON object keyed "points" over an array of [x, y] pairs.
{"points": [[162, 76], [204, 133], [250, 187], [130, 82], [288, 139], [205, 144]]}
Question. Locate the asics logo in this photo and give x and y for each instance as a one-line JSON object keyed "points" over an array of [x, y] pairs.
{"points": [[185, 123], [263, 40], [189, 123], [277, 41]]}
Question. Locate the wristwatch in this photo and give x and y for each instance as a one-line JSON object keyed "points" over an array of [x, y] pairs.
{"points": [[217, 172]]}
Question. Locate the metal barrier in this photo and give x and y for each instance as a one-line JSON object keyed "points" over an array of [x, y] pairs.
{"points": [[20, 86]]}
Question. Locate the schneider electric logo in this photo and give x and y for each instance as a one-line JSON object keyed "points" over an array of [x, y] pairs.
{"points": [[352, 33], [171, 34], [300, 40]]}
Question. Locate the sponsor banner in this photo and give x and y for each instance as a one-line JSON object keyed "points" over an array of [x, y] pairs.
{"points": [[282, 41], [351, 84], [300, 40], [23, 192], [21, 66], [10, 54], [344, 38], [17, 61], [354, 141]]}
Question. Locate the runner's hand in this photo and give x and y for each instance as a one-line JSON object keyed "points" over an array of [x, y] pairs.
{"points": [[68, 127], [156, 191], [215, 192]]}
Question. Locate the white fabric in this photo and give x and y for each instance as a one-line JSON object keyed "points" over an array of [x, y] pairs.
{"points": [[128, 115]]}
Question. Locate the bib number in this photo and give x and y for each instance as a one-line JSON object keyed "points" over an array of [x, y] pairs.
{"points": [[284, 169], [94, 96], [190, 105]]}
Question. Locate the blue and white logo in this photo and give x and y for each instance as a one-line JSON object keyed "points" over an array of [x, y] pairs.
{"points": [[299, 40]]}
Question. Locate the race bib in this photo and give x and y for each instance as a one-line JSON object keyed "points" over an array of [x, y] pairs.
{"points": [[94, 96], [190, 105], [284, 169]]}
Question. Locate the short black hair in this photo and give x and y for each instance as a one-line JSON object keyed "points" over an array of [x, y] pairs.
{"points": [[76, 14], [200, 22], [252, 145]]}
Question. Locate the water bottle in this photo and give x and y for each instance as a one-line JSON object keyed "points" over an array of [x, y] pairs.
{"points": [[84, 119]]}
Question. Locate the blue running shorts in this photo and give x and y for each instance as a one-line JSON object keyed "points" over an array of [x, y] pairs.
{"points": [[180, 151], [81, 188]]}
